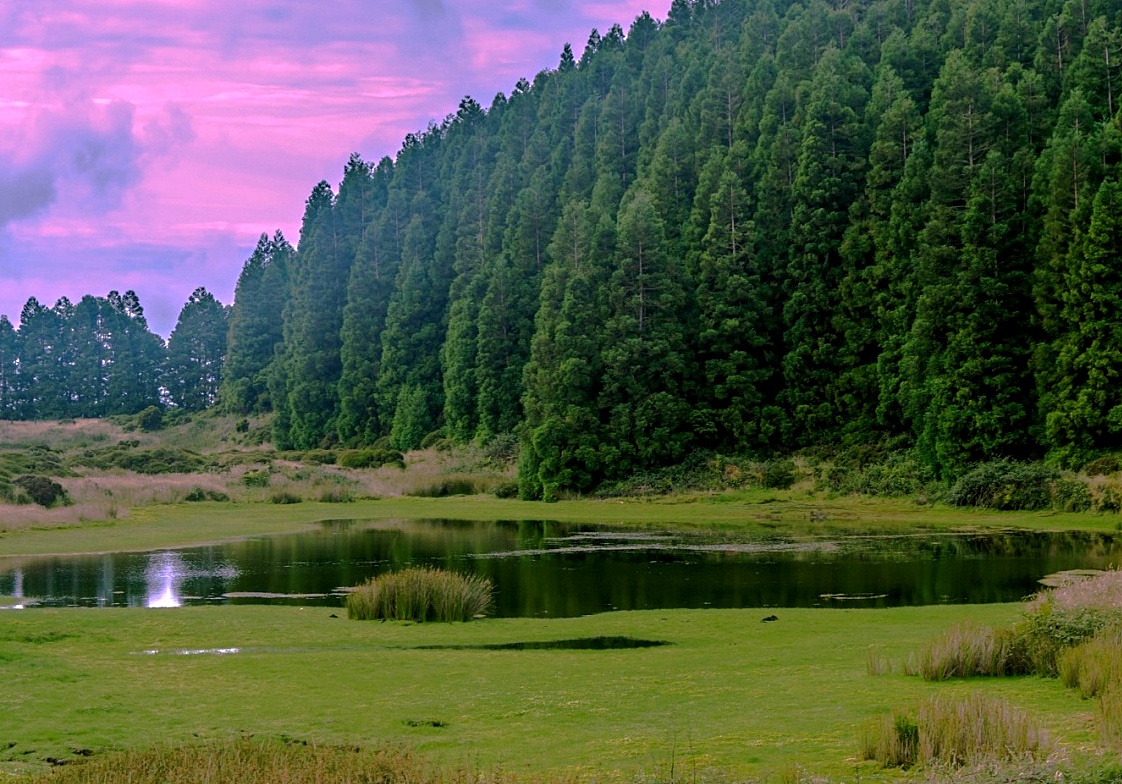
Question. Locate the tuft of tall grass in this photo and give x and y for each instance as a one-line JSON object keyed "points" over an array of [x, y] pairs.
{"points": [[1093, 666], [965, 650], [253, 761], [1110, 715], [955, 731], [421, 595]]}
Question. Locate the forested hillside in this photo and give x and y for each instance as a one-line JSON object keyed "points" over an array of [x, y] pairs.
{"points": [[755, 227]]}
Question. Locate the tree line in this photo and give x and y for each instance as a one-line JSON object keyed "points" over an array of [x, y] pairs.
{"points": [[755, 227], [99, 358]]}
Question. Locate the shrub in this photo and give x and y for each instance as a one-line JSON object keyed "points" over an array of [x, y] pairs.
{"points": [[256, 478], [421, 595], [445, 488], [127, 457], [150, 419], [779, 474], [200, 494], [1102, 466], [370, 458], [43, 491], [1071, 495], [1005, 485], [431, 439], [285, 497], [507, 489], [319, 457], [955, 731]]}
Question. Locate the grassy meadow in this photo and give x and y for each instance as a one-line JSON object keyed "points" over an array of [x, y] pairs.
{"points": [[728, 695]]}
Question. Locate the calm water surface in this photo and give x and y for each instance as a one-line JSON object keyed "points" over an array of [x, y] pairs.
{"points": [[552, 569]]}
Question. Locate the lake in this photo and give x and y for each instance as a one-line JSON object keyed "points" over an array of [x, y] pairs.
{"points": [[547, 569]]}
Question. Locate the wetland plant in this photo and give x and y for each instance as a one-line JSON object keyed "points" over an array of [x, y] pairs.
{"points": [[965, 650], [955, 731], [421, 595], [251, 761]]}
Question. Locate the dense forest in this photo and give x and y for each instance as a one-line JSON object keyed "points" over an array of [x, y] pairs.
{"points": [[755, 227]]}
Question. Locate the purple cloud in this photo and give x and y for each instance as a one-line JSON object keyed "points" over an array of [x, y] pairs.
{"points": [[147, 145]]}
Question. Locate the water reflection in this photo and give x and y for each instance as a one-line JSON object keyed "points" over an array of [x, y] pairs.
{"points": [[551, 569]]}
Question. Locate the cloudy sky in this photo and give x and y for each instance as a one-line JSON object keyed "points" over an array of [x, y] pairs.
{"points": [[146, 144]]}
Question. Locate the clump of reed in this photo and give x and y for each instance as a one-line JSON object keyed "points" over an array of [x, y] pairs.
{"points": [[955, 731], [963, 651], [1093, 666], [421, 595], [254, 761]]}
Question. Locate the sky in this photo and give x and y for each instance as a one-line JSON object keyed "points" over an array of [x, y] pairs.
{"points": [[147, 144]]}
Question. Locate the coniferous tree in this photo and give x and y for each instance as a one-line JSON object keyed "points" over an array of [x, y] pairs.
{"points": [[1085, 415], [256, 326], [196, 351]]}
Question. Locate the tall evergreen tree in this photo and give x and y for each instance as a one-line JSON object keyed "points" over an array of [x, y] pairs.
{"points": [[256, 326], [196, 351]]}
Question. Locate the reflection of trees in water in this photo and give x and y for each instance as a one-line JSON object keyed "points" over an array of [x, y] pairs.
{"points": [[566, 569]]}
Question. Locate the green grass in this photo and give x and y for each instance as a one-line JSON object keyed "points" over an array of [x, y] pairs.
{"points": [[727, 693]]}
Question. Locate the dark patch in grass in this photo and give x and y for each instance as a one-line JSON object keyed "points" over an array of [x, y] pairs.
{"points": [[434, 723], [40, 638], [606, 643]]}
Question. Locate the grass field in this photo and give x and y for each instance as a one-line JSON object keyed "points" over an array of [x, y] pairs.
{"points": [[727, 692]]}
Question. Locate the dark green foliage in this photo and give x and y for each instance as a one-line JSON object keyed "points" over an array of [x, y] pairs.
{"points": [[319, 457], [150, 419], [506, 490], [255, 328], [41, 490], [447, 487], [1005, 484], [285, 497], [128, 457], [779, 474], [256, 478], [198, 494], [369, 458], [196, 351]]}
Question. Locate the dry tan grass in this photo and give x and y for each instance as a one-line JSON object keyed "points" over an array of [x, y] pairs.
{"points": [[68, 435], [965, 650], [956, 731]]}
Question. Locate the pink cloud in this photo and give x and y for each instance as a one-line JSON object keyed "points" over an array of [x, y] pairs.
{"points": [[155, 140]]}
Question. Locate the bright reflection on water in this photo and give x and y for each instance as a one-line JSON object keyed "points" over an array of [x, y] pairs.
{"points": [[166, 572], [551, 569]]}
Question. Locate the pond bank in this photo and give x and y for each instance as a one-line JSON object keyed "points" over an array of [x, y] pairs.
{"points": [[180, 525]]}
